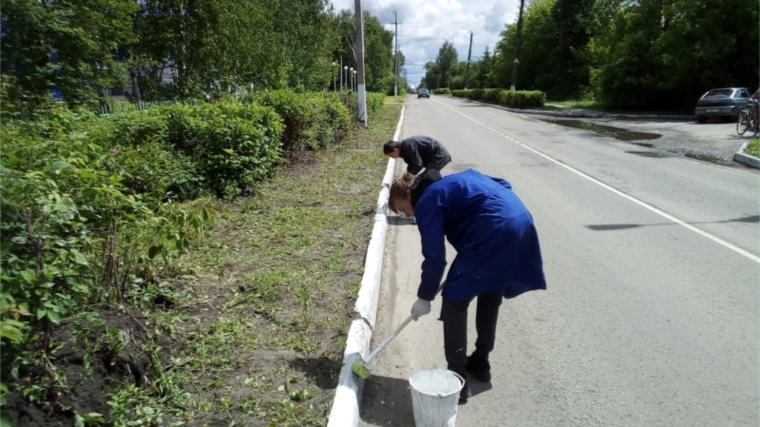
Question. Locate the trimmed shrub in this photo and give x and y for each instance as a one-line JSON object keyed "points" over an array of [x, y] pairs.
{"points": [[82, 224], [442, 91], [311, 120], [375, 101], [231, 145], [475, 94], [490, 95], [459, 93], [516, 99], [522, 98]]}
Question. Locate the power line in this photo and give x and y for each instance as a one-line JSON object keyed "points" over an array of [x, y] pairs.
{"points": [[381, 10]]}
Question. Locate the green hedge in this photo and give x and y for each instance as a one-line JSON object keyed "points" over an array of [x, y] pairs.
{"points": [[522, 98], [442, 91], [514, 99], [89, 211], [375, 102], [311, 120], [85, 218]]}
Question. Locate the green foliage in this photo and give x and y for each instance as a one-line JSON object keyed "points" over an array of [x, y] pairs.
{"points": [[230, 145], [476, 94], [83, 38], [375, 102], [94, 213], [378, 50], [669, 54], [311, 120], [631, 55], [445, 67], [490, 95], [399, 88], [522, 98], [75, 234], [514, 99], [442, 91], [753, 148]]}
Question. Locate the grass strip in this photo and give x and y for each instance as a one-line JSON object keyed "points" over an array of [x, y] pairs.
{"points": [[258, 338]]}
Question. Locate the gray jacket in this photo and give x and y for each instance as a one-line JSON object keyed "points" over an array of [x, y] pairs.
{"points": [[423, 151]]}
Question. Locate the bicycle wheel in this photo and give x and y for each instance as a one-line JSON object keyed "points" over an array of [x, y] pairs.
{"points": [[751, 123], [742, 122]]}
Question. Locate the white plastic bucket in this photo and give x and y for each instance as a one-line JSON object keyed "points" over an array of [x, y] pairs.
{"points": [[435, 396]]}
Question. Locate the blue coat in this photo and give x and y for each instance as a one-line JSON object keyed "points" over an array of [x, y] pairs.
{"points": [[492, 231]]}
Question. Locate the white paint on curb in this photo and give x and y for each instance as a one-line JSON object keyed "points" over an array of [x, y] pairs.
{"points": [[746, 159], [348, 395]]}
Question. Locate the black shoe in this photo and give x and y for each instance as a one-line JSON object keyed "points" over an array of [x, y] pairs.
{"points": [[479, 368]]}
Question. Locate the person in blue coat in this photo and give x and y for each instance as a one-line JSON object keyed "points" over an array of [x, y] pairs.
{"points": [[498, 256]]}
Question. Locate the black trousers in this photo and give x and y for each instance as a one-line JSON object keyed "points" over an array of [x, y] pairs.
{"points": [[454, 314]]}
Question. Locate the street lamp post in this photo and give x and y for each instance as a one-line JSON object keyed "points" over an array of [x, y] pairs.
{"points": [[345, 69], [335, 87], [351, 73], [355, 87]]}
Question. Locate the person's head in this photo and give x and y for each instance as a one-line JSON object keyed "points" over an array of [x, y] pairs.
{"points": [[400, 198], [391, 149]]}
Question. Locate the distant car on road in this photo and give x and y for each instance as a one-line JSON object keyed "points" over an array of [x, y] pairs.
{"points": [[724, 102], [423, 93]]}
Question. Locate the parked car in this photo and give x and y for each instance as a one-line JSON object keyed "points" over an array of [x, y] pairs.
{"points": [[423, 93], [724, 102]]}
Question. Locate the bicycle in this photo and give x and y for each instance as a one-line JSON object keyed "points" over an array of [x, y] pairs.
{"points": [[747, 119]]}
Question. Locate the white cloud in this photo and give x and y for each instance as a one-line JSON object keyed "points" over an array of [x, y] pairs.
{"points": [[427, 23]]}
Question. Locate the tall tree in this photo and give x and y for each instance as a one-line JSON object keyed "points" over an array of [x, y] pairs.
{"points": [[666, 53], [68, 46], [378, 50], [446, 59], [481, 71], [572, 19]]}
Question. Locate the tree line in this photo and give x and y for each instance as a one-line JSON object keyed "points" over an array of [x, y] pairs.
{"points": [[78, 49], [621, 53]]}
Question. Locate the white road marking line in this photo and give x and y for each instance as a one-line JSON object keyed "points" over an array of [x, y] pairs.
{"points": [[643, 204]]}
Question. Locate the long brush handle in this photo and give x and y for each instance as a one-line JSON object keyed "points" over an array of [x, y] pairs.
{"points": [[393, 335], [389, 339]]}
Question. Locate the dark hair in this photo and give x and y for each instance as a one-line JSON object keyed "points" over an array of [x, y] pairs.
{"points": [[399, 187], [390, 146]]}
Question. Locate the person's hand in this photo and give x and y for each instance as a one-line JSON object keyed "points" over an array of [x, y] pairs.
{"points": [[420, 308]]}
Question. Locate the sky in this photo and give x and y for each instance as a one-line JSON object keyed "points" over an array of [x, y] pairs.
{"points": [[425, 24]]}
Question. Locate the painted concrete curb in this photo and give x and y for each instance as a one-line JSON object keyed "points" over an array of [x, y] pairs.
{"points": [[746, 159], [587, 114], [348, 395]]}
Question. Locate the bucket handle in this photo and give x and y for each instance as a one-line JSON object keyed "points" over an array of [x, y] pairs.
{"points": [[461, 381]]}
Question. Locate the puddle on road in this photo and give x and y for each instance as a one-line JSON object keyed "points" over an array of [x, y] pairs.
{"points": [[654, 154], [611, 131]]}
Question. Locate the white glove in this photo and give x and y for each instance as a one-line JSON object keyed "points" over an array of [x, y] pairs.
{"points": [[420, 308]]}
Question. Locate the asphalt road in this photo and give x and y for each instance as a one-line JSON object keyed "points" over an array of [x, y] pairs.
{"points": [[652, 313]]}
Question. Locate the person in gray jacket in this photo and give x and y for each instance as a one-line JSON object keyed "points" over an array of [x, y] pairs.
{"points": [[419, 152]]}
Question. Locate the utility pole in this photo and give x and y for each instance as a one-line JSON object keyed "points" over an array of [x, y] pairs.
{"points": [[395, 57], [516, 62], [469, 54], [340, 70], [359, 19]]}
